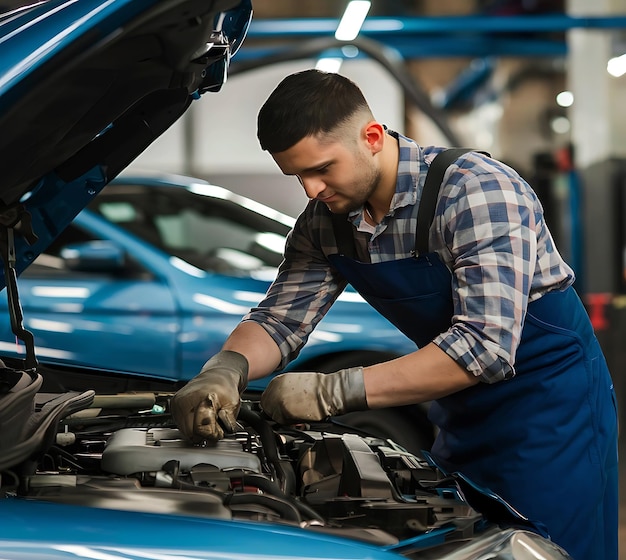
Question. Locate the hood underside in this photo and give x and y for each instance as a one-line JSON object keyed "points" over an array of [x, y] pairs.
{"points": [[86, 86]]}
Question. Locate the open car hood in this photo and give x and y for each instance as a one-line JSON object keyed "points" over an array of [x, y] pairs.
{"points": [[85, 87]]}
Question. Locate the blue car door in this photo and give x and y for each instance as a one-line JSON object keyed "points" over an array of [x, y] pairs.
{"points": [[104, 317]]}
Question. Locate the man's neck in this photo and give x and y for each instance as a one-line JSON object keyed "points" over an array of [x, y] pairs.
{"points": [[377, 206]]}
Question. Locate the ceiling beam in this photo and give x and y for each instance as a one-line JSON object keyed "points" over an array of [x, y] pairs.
{"points": [[445, 36], [465, 25]]}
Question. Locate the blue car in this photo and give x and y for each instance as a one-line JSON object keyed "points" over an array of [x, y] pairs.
{"points": [[116, 290], [162, 268]]}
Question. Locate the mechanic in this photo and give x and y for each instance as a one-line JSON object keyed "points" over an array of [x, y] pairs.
{"points": [[521, 392]]}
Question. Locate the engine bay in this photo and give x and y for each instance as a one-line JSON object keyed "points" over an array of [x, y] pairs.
{"points": [[318, 477]]}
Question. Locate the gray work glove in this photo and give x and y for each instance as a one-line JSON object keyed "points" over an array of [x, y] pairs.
{"points": [[214, 394], [311, 397]]}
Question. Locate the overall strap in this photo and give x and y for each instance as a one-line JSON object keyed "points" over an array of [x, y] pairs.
{"points": [[344, 235], [430, 193]]}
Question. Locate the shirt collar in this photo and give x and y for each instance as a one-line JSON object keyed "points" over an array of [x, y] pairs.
{"points": [[410, 167]]}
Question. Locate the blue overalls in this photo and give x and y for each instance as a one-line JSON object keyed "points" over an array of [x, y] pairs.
{"points": [[545, 440]]}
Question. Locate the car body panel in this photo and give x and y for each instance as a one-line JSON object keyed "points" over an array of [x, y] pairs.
{"points": [[96, 533]]}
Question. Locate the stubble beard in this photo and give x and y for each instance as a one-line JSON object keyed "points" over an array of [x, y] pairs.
{"points": [[362, 188]]}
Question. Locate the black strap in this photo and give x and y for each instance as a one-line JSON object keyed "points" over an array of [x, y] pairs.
{"points": [[430, 193], [344, 235]]}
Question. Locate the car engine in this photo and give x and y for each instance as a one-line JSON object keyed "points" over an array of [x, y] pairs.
{"points": [[123, 452], [113, 456]]}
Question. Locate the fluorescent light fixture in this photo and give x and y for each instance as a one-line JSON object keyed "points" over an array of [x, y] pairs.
{"points": [[347, 30], [329, 64], [617, 66], [352, 20]]}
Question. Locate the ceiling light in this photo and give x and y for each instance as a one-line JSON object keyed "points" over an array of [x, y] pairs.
{"points": [[560, 125], [350, 51], [617, 66], [565, 99], [352, 20]]}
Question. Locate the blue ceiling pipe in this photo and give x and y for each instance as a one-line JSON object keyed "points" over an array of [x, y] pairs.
{"points": [[447, 36], [471, 24], [440, 47], [386, 57], [473, 36]]}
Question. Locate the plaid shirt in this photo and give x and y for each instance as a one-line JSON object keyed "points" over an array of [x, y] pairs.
{"points": [[488, 229]]}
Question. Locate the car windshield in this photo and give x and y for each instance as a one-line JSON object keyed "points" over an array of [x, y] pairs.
{"points": [[208, 232]]}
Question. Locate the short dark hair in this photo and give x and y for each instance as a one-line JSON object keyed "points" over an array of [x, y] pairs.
{"points": [[304, 104]]}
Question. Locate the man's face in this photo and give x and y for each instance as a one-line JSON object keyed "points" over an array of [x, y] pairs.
{"points": [[343, 176]]}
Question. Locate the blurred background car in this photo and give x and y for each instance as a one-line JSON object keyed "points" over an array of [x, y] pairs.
{"points": [[160, 268]]}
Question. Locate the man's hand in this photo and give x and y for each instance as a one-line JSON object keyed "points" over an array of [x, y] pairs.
{"points": [[211, 398], [310, 397]]}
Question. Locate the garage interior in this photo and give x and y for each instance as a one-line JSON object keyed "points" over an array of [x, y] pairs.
{"points": [[509, 93], [538, 84], [524, 80]]}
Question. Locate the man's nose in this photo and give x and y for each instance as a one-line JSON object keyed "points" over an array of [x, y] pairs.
{"points": [[313, 187]]}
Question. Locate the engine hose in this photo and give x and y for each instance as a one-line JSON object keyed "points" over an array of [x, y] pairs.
{"points": [[284, 473], [270, 487], [282, 507]]}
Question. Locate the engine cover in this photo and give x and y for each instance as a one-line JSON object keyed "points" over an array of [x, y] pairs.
{"points": [[137, 450]]}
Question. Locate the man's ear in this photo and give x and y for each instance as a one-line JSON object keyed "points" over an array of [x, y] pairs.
{"points": [[374, 134]]}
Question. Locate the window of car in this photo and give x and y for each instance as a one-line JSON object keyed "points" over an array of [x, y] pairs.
{"points": [[208, 232], [52, 264]]}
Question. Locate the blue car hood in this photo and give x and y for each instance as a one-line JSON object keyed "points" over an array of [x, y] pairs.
{"points": [[85, 87]]}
